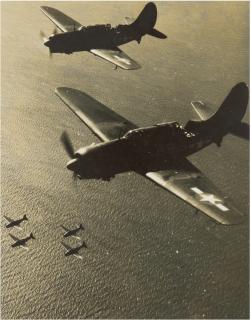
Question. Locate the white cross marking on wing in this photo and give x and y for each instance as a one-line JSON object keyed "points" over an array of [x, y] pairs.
{"points": [[210, 198], [126, 61]]}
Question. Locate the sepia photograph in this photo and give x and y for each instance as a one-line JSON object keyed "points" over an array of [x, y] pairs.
{"points": [[125, 160]]}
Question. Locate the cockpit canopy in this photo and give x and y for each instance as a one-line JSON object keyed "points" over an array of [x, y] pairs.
{"points": [[169, 128], [97, 27]]}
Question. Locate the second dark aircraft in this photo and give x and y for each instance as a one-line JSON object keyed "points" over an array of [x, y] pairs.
{"points": [[101, 40]]}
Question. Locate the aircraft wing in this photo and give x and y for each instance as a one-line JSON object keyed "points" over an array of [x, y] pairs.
{"points": [[117, 57], [61, 20], [104, 122], [66, 246], [8, 219], [189, 184], [14, 238], [65, 229]]}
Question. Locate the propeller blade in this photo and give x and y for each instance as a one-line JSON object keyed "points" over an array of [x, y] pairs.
{"points": [[43, 36], [67, 144], [75, 179], [55, 31]]}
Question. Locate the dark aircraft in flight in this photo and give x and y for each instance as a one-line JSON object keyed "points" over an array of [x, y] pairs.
{"points": [[73, 232], [158, 152], [101, 40], [21, 242], [74, 251], [15, 223]]}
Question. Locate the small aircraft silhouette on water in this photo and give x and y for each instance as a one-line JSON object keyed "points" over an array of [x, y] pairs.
{"points": [[21, 242], [72, 232], [157, 152], [15, 223], [74, 251], [101, 40]]}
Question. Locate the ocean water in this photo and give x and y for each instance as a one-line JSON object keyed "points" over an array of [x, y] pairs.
{"points": [[149, 255]]}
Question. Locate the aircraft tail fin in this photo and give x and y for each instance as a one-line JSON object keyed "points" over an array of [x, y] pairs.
{"points": [[32, 236], [157, 34], [146, 19], [83, 245], [25, 217], [228, 117], [81, 226]]}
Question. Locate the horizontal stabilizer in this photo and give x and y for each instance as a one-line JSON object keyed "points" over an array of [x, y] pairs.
{"points": [[129, 20], [242, 130], [202, 110], [157, 34]]}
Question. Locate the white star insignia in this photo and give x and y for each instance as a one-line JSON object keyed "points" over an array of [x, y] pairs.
{"points": [[210, 199], [126, 61]]}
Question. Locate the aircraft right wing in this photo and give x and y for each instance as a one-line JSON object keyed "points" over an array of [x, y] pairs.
{"points": [[104, 122], [61, 20], [117, 57], [192, 186], [66, 246], [65, 229], [8, 219], [14, 238]]}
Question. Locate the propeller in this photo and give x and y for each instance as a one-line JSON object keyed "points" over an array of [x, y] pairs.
{"points": [[55, 31], [67, 144], [47, 39], [43, 36]]}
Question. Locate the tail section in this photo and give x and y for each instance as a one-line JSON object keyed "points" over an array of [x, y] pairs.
{"points": [[233, 107], [227, 118], [146, 21], [25, 217], [83, 245], [32, 236], [81, 226]]}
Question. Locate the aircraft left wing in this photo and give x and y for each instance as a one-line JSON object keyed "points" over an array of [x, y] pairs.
{"points": [[61, 20], [104, 122], [192, 186], [117, 57]]}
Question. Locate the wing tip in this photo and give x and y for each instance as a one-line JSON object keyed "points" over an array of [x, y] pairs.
{"points": [[60, 91], [136, 66]]}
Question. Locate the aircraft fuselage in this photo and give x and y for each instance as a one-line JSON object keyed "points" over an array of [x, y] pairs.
{"points": [[71, 232], [21, 242], [138, 149], [75, 250], [92, 37], [14, 223]]}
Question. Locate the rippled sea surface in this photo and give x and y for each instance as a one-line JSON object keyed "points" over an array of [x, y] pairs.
{"points": [[149, 255]]}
